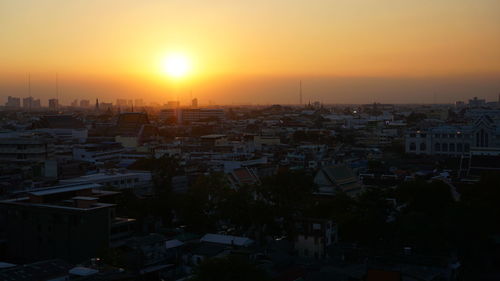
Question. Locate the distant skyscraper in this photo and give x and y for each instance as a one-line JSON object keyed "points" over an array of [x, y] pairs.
{"points": [[74, 103], [53, 104], [300, 92], [27, 103], [194, 102], [105, 106], [85, 103], [13, 102], [173, 104]]}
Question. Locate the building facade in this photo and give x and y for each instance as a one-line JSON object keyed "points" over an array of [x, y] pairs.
{"points": [[455, 140], [72, 222], [26, 147]]}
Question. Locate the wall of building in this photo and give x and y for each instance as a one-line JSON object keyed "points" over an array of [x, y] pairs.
{"points": [[39, 233]]}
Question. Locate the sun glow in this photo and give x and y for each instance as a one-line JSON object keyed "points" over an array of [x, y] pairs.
{"points": [[176, 65]]}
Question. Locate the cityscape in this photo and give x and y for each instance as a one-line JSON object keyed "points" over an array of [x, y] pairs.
{"points": [[271, 146]]}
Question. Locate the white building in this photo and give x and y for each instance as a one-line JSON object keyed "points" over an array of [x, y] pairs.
{"points": [[454, 140]]}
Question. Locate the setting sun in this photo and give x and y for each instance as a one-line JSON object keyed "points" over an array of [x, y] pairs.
{"points": [[176, 65]]}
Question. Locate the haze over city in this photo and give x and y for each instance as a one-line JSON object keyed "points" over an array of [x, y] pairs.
{"points": [[252, 52], [249, 140]]}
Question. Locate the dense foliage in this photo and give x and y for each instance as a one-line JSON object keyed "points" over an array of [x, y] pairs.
{"points": [[421, 214]]}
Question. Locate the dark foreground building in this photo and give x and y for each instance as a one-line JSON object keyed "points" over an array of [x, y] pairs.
{"points": [[69, 222]]}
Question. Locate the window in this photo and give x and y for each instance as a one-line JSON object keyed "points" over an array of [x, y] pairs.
{"points": [[437, 147], [459, 147], [444, 147], [452, 147], [423, 146], [413, 146]]}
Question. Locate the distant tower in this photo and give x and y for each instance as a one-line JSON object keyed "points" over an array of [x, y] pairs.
{"points": [[29, 90], [97, 104], [194, 102], [300, 92], [57, 90]]}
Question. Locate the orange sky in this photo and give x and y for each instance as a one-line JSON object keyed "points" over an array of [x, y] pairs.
{"points": [[253, 51]]}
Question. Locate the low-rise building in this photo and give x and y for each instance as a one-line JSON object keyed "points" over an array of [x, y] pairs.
{"points": [[314, 236], [71, 222], [62, 127], [332, 179], [116, 179], [98, 152], [26, 147]]}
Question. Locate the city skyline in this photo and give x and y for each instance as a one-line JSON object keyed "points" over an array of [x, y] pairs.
{"points": [[343, 51]]}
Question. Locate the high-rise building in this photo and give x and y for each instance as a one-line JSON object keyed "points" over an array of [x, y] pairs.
{"points": [[105, 106], [27, 103], [173, 104], [53, 104], [13, 102], [194, 102], [200, 114], [85, 103], [36, 104], [74, 103]]}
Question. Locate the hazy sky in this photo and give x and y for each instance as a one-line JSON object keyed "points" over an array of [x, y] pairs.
{"points": [[253, 51]]}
